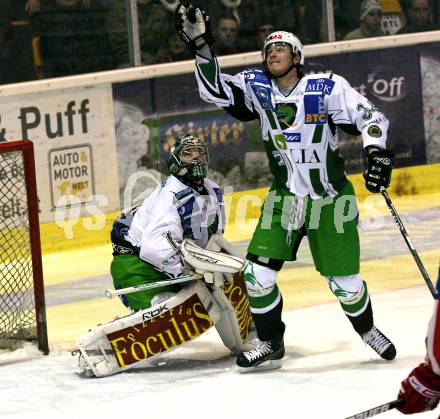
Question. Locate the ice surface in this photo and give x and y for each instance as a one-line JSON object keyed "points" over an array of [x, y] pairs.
{"points": [[327, 373]]}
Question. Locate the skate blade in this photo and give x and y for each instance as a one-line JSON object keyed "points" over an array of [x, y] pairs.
{"points": [[272, 364]]}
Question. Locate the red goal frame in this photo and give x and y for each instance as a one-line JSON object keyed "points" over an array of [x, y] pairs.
{"points": [[27, 148]]}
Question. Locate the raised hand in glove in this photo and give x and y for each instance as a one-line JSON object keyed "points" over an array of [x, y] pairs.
{"points": [[380, 165], [420, 391], [194, 27]]}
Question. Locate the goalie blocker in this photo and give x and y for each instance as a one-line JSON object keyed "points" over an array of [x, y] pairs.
{"points": [[134, 341]]}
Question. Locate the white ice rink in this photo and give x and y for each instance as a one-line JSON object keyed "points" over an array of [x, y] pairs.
{"points": [[327, 373]]}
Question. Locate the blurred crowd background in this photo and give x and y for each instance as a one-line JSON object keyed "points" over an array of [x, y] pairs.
{"points": [[52, 38]]}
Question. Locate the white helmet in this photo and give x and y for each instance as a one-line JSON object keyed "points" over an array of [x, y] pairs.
{"points": [[288, 38]]}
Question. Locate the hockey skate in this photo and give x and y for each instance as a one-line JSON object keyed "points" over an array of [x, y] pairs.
{"points": [[266, 356], [380, 343]]}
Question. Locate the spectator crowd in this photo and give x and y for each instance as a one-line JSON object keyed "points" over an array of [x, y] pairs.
{"points": [[51, 38]]}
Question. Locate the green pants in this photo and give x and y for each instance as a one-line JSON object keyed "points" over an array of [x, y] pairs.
{"points": [[128, 271], [330, 225]]}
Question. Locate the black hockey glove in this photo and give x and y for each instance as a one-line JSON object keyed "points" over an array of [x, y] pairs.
{"points": [[379, 167], [194, 27]]}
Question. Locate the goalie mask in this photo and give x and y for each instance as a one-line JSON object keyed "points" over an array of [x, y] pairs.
{"points": [[281, 37], [189, 158]]}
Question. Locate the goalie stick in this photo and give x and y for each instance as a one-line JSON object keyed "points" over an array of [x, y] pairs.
{"points": [[113, 293], [376, 410], [409, 243]]}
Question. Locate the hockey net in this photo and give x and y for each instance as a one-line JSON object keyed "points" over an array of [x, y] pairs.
{"points": [[22, 306]]}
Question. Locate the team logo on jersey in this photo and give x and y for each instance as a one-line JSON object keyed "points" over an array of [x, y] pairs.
{"points": [[314, 109], [286, 114], [374, 131], [324, 86]]}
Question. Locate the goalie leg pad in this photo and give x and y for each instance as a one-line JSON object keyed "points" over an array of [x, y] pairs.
{"points": [[352, 293], [133, 340], [236, 317]]}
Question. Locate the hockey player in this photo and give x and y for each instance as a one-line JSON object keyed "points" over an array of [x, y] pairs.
{"points": [[177, 230], [420, 391], [298, 115], [146, 239]]}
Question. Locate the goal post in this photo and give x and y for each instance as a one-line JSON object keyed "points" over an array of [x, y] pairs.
{"points": [[22, 303]]}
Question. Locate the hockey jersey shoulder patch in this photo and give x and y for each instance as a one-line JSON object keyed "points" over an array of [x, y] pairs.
{"points": [[322, 85], [255, 75]]}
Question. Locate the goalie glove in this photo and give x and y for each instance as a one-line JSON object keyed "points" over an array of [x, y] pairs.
{"points": [[420, 391], [194, 27], [380, 165]]}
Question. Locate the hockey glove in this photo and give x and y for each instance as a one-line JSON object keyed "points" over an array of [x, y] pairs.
{"points": [[420, 391], [194, 27], [378, 173]]}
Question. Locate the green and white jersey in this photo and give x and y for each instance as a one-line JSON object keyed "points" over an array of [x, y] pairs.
{"points": [[170, 214], [299, 130]]}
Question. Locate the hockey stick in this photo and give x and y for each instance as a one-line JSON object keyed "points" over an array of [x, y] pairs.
{"points": [[143, 287], [377, 410], [409, 243]]}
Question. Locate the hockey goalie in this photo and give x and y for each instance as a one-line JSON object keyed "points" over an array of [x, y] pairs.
{"points": [[174, 236]]}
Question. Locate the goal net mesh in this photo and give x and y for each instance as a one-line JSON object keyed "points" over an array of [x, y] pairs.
{"points": [[17, 305]]}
